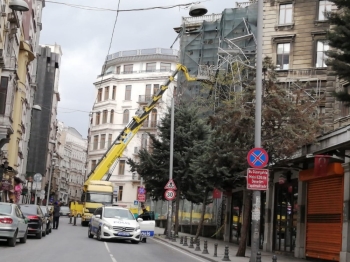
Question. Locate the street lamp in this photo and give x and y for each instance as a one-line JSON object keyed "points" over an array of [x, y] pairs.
{"points": [[19, 5], [53, 161], [195, 10]]}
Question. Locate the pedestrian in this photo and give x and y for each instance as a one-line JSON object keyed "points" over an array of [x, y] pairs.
{"points": [[56, 215]]}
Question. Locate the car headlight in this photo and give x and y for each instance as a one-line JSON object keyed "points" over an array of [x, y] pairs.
{"points": [[137, 228], [106, 226]]}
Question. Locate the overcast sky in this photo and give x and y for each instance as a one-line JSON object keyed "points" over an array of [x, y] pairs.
{"points": [[85, 35]]}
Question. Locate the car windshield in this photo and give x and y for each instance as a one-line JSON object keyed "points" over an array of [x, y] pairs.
{"points": [[5, 209], [120, 213], [98, 198], [29, 210]]}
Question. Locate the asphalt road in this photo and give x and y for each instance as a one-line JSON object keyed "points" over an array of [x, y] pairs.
{"points": [[71, 243]]}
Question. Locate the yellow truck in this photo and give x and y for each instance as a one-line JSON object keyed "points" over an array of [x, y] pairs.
{"points": [[97, 194]]}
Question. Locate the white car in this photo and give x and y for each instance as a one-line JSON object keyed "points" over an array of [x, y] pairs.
{"points": [[113, 222]]}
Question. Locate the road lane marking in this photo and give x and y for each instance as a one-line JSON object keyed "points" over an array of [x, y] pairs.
{"points": [[179, 250], [109, 252]]}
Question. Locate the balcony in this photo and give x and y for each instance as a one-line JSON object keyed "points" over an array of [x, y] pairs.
{"points": [[145, 99]]}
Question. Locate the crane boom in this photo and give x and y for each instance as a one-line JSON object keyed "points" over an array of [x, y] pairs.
{"points": [[117, 148]]}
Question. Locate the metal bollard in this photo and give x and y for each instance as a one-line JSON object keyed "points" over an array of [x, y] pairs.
{"points": [[258, 257], [181, 240], [70, 220], [191, 243], [226, 257], [274, 258], [198, 245], [185, 242], [75, 221], [205, 249], [215, 250]]}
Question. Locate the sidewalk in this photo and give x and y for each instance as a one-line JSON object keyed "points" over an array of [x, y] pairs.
{"points": [[265, 256]]}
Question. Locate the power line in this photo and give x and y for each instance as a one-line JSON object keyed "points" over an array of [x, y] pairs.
{"points": [[93, 8]]}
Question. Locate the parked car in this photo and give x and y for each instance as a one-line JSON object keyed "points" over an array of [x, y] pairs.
{"points": [[49, 219], [36, 220], [13, 224], [65, 211]]}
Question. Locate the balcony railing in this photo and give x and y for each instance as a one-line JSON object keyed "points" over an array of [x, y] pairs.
{"points": [[140, 52], [150, 124], [146, 98], [137, 72]]}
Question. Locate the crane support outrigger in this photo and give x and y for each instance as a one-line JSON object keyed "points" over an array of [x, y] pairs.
{"points": [[97, 192]]}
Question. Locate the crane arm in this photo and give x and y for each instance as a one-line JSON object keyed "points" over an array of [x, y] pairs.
{"points": [[117, 148]]}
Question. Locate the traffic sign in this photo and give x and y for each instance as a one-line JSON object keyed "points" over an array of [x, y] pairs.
{"points": [[38, 177], [170, 194], [170, 185], [136, 203], [257, 157], [257, 179], [141, 197], [142, 190]]}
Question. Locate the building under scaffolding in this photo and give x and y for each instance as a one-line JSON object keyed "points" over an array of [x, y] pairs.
{"points": [[217, 42]]}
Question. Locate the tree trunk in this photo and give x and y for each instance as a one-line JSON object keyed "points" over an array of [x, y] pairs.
{"points": [[245, 227], [201, 220], [177, 201]]}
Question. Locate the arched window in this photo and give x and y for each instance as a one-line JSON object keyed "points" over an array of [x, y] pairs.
{"points": [[154, 118], [126, 116], [144, 141], [104, 116], [111, 117], [98, 116]]}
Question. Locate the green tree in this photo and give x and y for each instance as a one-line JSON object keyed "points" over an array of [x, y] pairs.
{"points": [[288, 122], [338, 36], [189, 131]]}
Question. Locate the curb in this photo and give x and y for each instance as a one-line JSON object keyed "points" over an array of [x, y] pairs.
{"points": [[182, 248]]}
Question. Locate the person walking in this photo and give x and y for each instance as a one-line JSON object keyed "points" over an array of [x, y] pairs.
{"points": [[56, 215]]}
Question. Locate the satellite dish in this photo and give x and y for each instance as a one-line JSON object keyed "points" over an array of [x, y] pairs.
{"points": [[38, 177]]}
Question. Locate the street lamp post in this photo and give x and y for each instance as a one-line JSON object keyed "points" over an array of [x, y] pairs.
{"points": [[257, 138], [195, 11], [53, 160]]}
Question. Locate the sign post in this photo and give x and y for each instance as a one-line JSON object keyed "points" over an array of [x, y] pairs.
{"points": [[257, 180], [170, 195]]}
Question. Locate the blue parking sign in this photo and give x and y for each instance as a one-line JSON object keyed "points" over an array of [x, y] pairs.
{"points": [[136, 203]]}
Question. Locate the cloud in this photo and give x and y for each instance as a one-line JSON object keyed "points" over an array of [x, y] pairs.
{"points": [[85, 37]]}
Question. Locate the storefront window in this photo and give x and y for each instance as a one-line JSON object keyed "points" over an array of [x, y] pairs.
{"points": [[285, 219]]}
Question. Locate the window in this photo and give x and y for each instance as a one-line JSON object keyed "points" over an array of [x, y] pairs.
{"points": [[103, 141], [109, 140], [154, 118], [118, 70], [321, 57], [128, 69], [121, 167], [151, 67], [155, 88], [99, 95], [148, 91], [104, 116], [95, 144], [144, 141], [126, 116], [93, 164], [120, 193], [165, 67], [114, 92], [98, 116], [128, 92], [111, 117], [3, 93], [106, 92], [283, 51], [286, 14], [324, 7]]}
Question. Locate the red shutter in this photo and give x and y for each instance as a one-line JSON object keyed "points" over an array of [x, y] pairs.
{"points": [[324, 218]]}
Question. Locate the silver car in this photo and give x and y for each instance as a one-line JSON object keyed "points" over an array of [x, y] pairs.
{"points": [[13, 224]]}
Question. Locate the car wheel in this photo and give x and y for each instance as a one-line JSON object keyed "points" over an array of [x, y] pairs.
{"points": [[98, 235], [89, 233], [11, 242], [24, 238], [135, 241], [39, 235]]}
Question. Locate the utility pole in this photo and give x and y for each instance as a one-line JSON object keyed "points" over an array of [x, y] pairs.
{"points": [[170, 202], [257, 138]]}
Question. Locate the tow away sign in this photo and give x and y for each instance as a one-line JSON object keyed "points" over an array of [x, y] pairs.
{"points": [[257, 179]]}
